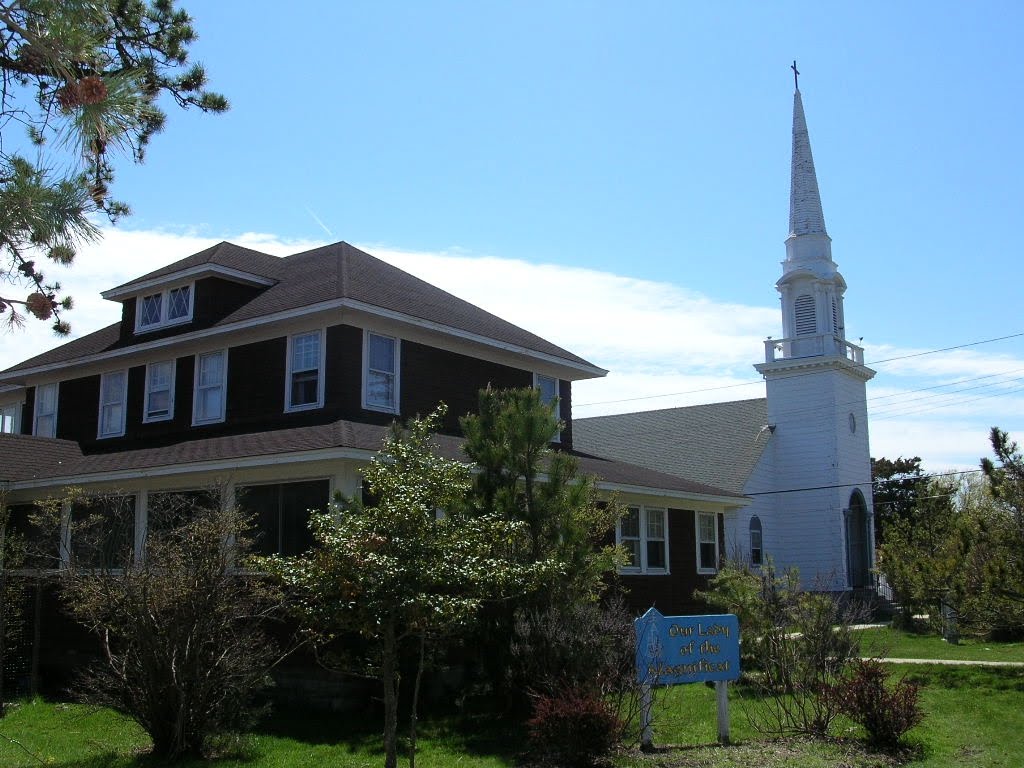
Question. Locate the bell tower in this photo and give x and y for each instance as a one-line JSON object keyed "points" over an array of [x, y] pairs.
{"points": [[817, 402]]}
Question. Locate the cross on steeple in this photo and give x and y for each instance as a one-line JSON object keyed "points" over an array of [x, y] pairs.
{"points": [[796, 76]]}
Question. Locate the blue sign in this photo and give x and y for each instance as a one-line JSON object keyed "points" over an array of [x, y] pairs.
{"points": [[687, 649]]}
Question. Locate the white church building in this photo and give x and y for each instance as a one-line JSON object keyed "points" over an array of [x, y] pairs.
{"points": [[801, 453]]}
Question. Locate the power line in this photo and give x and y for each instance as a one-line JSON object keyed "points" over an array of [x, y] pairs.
{"points": [[760, 381], [857, 485]]}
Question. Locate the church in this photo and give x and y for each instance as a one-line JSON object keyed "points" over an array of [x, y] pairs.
{"points": [[800, 454]]}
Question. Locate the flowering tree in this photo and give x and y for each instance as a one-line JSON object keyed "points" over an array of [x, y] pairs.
{"points": [[408, 567], [78, 77]]}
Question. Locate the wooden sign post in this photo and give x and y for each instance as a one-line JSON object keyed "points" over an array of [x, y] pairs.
{"points": [[671, 650]]}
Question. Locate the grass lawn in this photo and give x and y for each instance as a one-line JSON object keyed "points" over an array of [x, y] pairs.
{"points": [[974, 718], [66, 735], [899, 644]]}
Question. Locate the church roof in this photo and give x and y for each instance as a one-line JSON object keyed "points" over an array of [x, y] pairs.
{"points": [[718, 444], [805, 214]]}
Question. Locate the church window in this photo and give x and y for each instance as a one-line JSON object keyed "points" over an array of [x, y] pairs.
{"points": [[643, 533], [835, 317], [755, 541], [805, 321]]}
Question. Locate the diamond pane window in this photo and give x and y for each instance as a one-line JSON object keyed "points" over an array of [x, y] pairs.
{"points": [[170, 307], [151, 310], [179, 302]]}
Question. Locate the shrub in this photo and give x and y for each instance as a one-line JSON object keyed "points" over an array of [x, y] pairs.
{"points": [[183, 653], [797, 643], [586, 646], [885, 712], [573, 728]]}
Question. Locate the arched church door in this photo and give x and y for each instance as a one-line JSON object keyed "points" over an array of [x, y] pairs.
{"points": [[858, 542]]}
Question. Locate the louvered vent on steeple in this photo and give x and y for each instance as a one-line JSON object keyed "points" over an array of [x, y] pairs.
{"points": [[805, 321]]}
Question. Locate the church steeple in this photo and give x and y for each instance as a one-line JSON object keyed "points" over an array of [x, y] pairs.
{"points": [[812, 288], [805, 216]]}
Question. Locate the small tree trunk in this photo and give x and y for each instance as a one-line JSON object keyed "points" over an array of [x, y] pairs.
{"points": [[415, 702], [37, 633], [390, 679], [3, 621]]}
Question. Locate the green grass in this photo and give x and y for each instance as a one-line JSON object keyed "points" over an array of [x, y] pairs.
{"points": [[66, 735], [899, 644], [974, 718]]}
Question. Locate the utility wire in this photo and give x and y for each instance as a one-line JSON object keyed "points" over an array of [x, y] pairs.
{"points": [[761, 381]]}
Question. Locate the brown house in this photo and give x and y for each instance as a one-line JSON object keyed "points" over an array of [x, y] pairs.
{"points": [[274, 379]]}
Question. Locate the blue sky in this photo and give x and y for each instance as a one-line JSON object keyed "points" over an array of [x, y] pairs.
{"points": [[615, 176]]}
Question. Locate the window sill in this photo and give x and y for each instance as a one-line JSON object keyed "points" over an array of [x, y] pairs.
{"points": [[304, 407], [139, 330], [207, 422], [381, 408], [641, 572]]}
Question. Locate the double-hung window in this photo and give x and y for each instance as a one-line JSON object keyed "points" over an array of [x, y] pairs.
{"points": [[113, 393], [210, 387], [45, 422], [547, 386], [380, 364], [707, 542], [305, 379], [10, 418], [159, 392], [168, 307], [643, 533]]}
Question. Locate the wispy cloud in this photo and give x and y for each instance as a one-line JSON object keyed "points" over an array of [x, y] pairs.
{"points": [[664, 345]]}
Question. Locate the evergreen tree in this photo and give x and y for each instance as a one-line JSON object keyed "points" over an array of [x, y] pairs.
{"points": [[80, 77], [1006, 482], [522, 477], [897, 485]]}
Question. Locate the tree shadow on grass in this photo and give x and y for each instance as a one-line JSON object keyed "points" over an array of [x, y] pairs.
{"points": [[480, 735]]}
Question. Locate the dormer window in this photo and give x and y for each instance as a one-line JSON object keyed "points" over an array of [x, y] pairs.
{"points": [[168, 307]]}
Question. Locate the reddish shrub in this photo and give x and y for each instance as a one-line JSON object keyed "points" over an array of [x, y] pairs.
{"points": [[886, 712], [573, 728]]}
